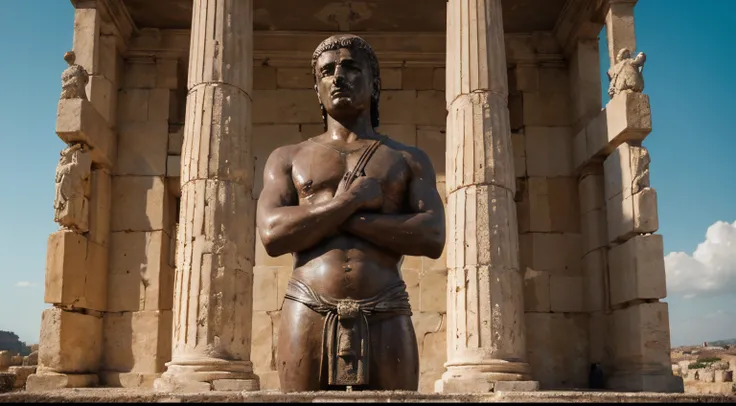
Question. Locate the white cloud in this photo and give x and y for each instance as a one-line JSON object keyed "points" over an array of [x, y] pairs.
{"points": [[25, 284], [710, 270]]}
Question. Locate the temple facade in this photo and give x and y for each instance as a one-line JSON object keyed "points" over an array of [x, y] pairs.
{"points": [[552, 266]]}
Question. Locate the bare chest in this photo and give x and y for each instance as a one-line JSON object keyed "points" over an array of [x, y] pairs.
{"points": [[317, 171]]}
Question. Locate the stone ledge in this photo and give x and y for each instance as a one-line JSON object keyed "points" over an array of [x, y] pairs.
{"points": [[119, 395], [77, 120], [626, 118]]}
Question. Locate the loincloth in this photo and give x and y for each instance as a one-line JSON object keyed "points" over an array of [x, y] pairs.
{"points": [[346, 332]]}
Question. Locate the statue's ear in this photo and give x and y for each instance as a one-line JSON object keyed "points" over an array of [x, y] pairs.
{"points": [[317, 91], [376, 89]]}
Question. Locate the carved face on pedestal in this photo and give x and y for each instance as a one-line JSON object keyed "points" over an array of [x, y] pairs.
{"points": [[624, 53], [347, 80]]}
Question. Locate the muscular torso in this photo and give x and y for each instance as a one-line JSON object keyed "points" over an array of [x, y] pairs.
{"points": [[343, 265]]}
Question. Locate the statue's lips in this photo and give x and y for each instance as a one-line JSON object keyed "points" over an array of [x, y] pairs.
{"points": [[340, 92]]}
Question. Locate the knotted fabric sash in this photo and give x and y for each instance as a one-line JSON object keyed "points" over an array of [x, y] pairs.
{"points": [[346, 334]]}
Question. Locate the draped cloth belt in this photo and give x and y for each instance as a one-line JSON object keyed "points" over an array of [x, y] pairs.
{"points": [[346, 333]]}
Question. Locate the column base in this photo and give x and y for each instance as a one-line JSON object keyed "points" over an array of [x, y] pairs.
{"points": [[471, 380], [204, 375], [51, 381], [133, 380], [662, 383]]}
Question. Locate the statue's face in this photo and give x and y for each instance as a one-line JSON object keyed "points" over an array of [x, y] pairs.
{"points": [[344, 82]]}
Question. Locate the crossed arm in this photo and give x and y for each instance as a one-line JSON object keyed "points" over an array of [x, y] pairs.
{"points": [[421, 233], [285, 226]]}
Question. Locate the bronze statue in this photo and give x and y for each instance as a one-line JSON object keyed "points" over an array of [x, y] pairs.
{"points": [[348, 204]]}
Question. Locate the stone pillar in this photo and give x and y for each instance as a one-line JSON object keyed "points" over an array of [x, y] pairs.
{"points": [[585, 91], [137, 327], [77, 254], [486, 342], [214, 276], [629, 326], [620, 27]]}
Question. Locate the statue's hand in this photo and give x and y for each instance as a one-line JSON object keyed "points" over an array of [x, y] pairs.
{"points": [[368, 192], [641, 58]]}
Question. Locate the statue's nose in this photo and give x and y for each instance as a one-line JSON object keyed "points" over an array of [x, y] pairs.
{"points": [[338, 79], [339, 76]]}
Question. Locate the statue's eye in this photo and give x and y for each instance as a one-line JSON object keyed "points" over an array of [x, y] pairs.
{"points": [[328, 70], [350, 65]]}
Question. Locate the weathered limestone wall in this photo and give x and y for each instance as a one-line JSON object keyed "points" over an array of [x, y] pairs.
{"points": [[593, 269], [137, 325], [624, 259], [286, 111], [582, 254], [548, 210], [71, 342]]}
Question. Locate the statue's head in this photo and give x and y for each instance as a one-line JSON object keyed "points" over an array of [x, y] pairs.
{"points": [[70, 57], [624, 53], [346, 76]]}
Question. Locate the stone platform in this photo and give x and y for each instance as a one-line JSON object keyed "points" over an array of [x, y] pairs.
{"points": [[119, 395]]}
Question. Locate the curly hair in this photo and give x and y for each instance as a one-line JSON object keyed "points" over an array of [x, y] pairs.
{"points": [[353, 43]]}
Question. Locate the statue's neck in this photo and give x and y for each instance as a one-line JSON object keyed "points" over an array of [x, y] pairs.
{"points": [[350, 130]]}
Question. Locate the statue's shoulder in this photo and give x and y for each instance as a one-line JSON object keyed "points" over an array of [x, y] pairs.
{"points": [[394, 144], [286, 152], [412, 154]]}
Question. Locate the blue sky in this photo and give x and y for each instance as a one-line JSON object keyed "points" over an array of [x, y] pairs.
{"points": [[689, 77]]}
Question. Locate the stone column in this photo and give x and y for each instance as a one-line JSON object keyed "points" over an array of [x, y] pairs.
{"points": [[214, 275], [486, 342]]}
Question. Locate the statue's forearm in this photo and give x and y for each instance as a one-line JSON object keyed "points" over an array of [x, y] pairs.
{"points": [[297, 228], [405, 234]]}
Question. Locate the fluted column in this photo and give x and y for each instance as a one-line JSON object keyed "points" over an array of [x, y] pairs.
{"points": [[486, 343], [215, 252]]}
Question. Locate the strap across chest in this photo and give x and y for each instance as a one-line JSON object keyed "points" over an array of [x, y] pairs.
{"points": [[359, 168]]}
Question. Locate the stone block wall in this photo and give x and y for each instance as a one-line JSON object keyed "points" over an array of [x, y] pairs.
{"points": [[548, 210], [137, 325], [590, 294], [71, 341], [592, 266], [412, 111]]}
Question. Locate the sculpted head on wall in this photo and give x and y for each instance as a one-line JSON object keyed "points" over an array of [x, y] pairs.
{"points": [[362, 77], [73, 79]]}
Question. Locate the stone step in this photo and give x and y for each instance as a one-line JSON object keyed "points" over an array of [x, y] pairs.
{"points": [[140, 396]]}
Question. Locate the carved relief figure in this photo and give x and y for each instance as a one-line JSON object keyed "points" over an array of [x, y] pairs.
{"points": [[627, 74], [73, 79], [640, 162], [348, 204], [72, 178]]}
